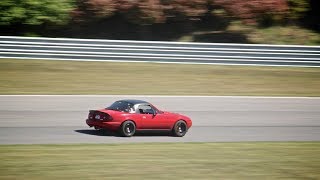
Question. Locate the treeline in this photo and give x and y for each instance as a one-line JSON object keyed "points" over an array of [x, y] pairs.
{"points": [[146, 19]]}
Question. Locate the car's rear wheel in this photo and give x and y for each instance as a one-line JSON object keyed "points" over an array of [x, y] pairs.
{"points": [[127, 129], [180, 128]]}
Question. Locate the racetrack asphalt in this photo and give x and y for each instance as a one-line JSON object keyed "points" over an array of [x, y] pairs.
{"points": [[61, 119]]}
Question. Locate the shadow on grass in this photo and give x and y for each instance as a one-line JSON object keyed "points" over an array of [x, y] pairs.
{"points": [[103, 132], [221, 37]]}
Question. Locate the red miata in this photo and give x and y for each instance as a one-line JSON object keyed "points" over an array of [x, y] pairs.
{"points": [[129, 116]]}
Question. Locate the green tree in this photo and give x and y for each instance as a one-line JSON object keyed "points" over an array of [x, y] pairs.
{"points": [[298, 8], [34, 12]]}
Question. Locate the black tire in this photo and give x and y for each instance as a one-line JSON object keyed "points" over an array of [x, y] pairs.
{"points": [[180, 128], [127, 129]]}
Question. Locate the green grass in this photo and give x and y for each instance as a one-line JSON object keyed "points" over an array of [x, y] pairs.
{"points": [[238, 32], [284, 35], [276, 34], [65, 77], [162, 161]]}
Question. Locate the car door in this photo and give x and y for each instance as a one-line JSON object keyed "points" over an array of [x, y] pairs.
{"points": [[151, 119]]}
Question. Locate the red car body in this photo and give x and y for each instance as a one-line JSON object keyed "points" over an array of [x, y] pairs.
{"points": [[140, 115]]}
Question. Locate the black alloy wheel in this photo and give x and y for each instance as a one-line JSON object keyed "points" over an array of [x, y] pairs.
{"points": [[180, 128], [127, 129]]}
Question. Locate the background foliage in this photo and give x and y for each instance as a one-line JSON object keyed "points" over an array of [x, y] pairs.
{"points": [[34, 12], [183, 20]]}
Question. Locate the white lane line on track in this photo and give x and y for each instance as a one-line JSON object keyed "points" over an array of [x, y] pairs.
{"points": [[164, 96]]}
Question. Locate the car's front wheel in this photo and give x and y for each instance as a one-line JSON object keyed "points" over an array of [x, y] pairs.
{"points": [[180, 128], [127, 129]]}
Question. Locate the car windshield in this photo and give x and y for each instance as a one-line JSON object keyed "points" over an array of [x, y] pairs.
{"points": [[121, 106]]}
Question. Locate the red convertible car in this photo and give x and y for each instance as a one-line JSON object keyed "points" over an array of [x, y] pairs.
{"points": [[129, 116]]}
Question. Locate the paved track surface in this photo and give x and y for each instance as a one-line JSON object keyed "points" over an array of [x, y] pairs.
{"points": [[61, 119]]}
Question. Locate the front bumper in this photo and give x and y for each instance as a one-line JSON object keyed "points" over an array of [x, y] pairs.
{"points": [[110, 125]]}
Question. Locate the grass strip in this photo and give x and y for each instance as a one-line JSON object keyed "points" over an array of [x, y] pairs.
{"points": [[67, 77], [276, 160]]}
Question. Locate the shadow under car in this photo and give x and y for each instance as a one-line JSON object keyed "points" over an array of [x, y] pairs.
{"points": [[103, 132]]}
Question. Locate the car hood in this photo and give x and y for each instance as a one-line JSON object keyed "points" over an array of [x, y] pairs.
{"points": [[175, 114], [167, 112]]}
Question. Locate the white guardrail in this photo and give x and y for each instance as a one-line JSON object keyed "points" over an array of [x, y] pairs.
{"points": [[158, 51]]}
